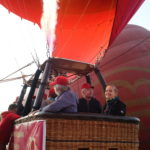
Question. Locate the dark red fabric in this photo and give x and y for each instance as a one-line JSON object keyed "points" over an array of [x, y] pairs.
{"points": [[6, 126], [124, 12]]}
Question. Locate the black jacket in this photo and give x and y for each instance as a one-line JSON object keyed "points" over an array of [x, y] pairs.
{"points": [[92, 106], [114, 107]]}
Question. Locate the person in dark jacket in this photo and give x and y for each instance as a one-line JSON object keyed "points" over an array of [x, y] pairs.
{"points": [[113, 104], [88, 103], [6, 125]]}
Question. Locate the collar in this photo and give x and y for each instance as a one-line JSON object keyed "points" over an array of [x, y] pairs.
{"points": [[113, 100]]}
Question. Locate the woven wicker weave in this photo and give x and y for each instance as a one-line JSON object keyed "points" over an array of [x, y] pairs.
{"points": [[94, 132]]}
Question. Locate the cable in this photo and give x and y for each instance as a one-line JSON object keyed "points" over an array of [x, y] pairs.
{"points": [[16, 78], [24, 80], [18, 70]]}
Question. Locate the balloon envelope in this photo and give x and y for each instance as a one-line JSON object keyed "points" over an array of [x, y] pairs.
{"points": [[85, 28]]}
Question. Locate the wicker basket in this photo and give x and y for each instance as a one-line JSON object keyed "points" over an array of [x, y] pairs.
{"points": [[88, 131]]}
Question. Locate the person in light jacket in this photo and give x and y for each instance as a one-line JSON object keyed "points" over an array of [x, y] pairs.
{"points": [[66, 100]]}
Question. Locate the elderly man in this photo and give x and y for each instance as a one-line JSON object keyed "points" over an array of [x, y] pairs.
{"points": [[66, 100], [88, 103], [113, 104], [6, 125]]}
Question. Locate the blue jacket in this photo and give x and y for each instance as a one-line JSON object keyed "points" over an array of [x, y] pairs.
{"points": [[66, 102]]}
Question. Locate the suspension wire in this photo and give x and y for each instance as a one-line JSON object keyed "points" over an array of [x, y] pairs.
{"points": [[34, 60], [37, 59], [99, 55], [128, 50], [24, 80], [16, 78], [18, 70]]}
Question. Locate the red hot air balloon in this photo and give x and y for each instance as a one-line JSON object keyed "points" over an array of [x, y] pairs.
{"points": [[85, 28]]}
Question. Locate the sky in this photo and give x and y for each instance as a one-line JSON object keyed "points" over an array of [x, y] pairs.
{"points": [[19, 38]]}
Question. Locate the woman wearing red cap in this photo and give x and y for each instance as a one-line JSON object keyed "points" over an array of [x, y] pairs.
{"points": [[66, 100], [88, 103]]}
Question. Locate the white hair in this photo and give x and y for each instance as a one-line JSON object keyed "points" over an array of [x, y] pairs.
{"points": [[59, 89]]}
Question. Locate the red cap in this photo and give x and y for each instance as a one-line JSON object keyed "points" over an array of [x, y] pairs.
{"points": [[61, 80], [51, 91], [33, 97], [86, 86], [45, 96]]}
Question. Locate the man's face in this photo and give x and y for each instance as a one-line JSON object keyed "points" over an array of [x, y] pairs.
{"points": [[110, 93], [57, 90], [87, 93]]}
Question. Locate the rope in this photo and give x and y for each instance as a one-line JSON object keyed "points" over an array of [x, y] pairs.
{"points": [[24, 80], [17, 70], [17, 78], [37, 59]]}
